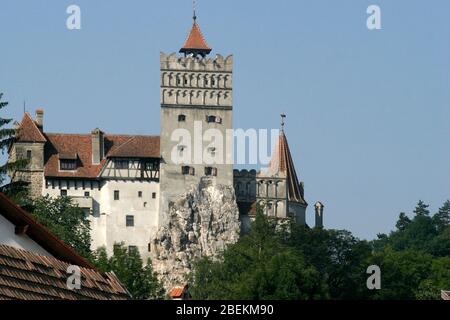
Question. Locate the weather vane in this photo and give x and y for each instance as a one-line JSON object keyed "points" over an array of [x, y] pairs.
{"points": [[283, 116], [194, 7]]}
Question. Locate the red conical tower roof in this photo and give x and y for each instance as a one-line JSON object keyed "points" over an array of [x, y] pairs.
{"points": [[195, 42], [282, 162]]}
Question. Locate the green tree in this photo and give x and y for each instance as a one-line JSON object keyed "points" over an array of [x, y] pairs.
{"points": [[403, 222], [402, 272], [439, 279], [141, 281], [259, 267], [442, 217], [338, 256], [65, 220], [421, 209], [15, 190]]}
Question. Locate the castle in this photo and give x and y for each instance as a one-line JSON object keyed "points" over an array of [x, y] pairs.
{"points": [[126, 183]]}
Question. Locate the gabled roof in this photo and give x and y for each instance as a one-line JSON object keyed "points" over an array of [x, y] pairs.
{"points": [[195, 42], [28, 131], [26, 275], [61, 145], [39, 233], [282, 164]]}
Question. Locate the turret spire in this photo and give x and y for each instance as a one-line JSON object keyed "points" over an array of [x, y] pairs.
{"points": [[195, 43]]}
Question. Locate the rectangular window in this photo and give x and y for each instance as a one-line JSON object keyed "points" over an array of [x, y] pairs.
{"points": [[149, 247], [209, 171], [121, 164], [67, 164], [186, 170], [140, 194], [154, 195], [116, 195], [130, 221], [87, 194], [63, 193], [28, 154]]}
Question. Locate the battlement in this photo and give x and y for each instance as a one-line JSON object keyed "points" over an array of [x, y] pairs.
{"points": [[172, 62], [196, 81]]}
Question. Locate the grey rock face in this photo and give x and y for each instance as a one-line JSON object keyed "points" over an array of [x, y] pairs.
{"points": [[201, 222]]}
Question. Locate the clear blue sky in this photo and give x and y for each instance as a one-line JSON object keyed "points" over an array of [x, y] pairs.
{"points": [[368, 111]]}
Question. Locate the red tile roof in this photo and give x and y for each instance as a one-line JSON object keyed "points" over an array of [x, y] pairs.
{"points": [[179, 292], [28, 276], [61, 145], [29, 131], [39, 233], [25, 275], [282, 162], [139, 147], [195, 41]]}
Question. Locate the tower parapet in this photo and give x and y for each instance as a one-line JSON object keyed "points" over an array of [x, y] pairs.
{"points": [[196, 81]]}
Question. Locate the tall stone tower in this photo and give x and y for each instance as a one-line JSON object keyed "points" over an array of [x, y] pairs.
{"points": [[196, 115], [29, 144]]}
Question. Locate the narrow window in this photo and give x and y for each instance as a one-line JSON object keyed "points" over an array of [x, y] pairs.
{"points": [[149, 247], [140, 194], [154, 195], [28, 154], [63, 193], [116, 195], [130, 221]]}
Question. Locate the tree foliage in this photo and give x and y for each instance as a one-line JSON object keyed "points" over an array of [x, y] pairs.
{"points": [[141, 281], [297, 262], [66, 220], [15, 190]]}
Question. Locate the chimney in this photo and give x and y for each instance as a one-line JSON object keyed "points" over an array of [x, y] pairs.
{"points": [[319, 214], [40, 119], [98, 146]]}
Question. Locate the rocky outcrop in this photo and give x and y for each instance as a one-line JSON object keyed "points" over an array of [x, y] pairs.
{"points": [[202, 222]]}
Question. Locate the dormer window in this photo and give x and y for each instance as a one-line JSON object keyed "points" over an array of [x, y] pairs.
{"points": [[68, 161]]}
